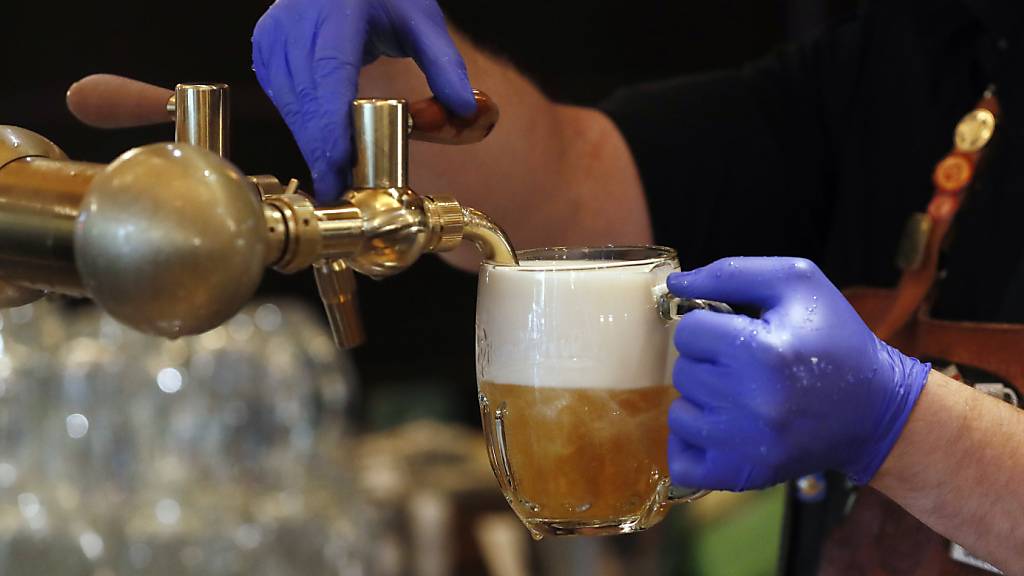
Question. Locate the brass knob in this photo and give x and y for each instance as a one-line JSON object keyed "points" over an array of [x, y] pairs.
{"points": [[171, 240], [17, 143]]}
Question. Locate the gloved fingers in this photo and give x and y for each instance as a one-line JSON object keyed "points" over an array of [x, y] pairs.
{"points": [[713, 336], [685, 463], [703, 384], [282, 62], [435, 53], [724, 471], [298, 62], [750, 281], [336, 61], [694, 467], [268, 50], [695, 426]]}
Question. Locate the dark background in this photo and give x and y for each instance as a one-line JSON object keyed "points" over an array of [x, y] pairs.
{"points": [[419, 359]]}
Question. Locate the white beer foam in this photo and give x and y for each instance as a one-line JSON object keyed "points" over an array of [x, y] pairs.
{"points": [[562, 324]]}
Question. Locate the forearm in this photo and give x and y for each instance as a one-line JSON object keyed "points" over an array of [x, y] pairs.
{"points": [[549, 174], [958, 467]]}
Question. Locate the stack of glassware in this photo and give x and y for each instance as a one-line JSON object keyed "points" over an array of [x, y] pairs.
{"points": [[224, 454]]}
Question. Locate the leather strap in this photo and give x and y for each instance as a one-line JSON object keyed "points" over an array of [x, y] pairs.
{"points": [[994, 348], [952, 178]]}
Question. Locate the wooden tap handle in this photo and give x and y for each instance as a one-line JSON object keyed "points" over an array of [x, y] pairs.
{"points": [[108, 101], [432, 122]]}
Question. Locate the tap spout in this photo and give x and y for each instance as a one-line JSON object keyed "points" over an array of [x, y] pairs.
{"points": [[488, 237]]}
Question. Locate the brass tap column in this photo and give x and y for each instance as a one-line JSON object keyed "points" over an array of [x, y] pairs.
{"points": [[202, 116], [380, 130], [381, 162]]}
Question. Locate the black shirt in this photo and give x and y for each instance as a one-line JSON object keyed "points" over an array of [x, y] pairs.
{"points": [[824, 150]]}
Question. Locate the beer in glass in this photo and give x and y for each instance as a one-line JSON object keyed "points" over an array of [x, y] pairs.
{"points": [[574, 354]]}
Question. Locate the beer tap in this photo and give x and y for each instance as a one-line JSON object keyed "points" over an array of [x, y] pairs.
{"points": [[172, 239], [201, 112]]}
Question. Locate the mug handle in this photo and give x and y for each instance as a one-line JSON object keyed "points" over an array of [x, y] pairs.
{"points": [[672, 307]]}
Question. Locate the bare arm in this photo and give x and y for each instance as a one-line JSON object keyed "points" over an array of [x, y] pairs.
{"points": [[958, 467], [551, 175]]}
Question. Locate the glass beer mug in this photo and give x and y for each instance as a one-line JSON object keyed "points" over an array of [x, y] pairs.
{"points": [[574, 363]]}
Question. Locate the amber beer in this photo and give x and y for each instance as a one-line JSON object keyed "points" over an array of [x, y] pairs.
{"points": [[573, 367], [585, 456]]}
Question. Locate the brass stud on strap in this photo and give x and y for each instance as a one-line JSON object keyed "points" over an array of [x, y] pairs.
{"points": [[975, 130]]}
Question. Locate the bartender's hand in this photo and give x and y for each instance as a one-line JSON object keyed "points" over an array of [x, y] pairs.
{"points": [[804, 388], [307, 55]]}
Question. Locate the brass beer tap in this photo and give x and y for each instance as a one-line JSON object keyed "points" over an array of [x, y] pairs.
{"points": [[172, 239]]}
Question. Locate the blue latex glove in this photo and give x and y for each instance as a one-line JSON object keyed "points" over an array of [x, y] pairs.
{"points": [[804, 388], [307, 55]]}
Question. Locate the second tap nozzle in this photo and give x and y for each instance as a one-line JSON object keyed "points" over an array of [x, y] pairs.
{"points": [[337, 286]]}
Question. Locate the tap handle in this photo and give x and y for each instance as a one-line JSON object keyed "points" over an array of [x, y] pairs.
{"points": [[108, 101], [432, 122], [382, 128], [201, 112]]}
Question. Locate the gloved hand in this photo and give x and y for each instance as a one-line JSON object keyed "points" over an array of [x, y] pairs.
{"points": [[804, 388], [307, 55]]}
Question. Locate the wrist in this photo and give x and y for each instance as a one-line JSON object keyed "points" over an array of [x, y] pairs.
{"points": [[904, 384], [938, 419]]}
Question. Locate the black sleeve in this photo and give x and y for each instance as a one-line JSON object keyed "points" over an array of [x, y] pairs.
{"points": [[739, 162]]}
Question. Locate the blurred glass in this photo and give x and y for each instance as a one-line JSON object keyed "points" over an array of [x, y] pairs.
{"points": [[222, 454]]}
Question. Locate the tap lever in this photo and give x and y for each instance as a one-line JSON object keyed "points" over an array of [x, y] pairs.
{"points": [[109, 102], [201, 112], [432, 122]]}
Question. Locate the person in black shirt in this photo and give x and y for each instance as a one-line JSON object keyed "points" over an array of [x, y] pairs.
{"points": [[820, 150]]}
